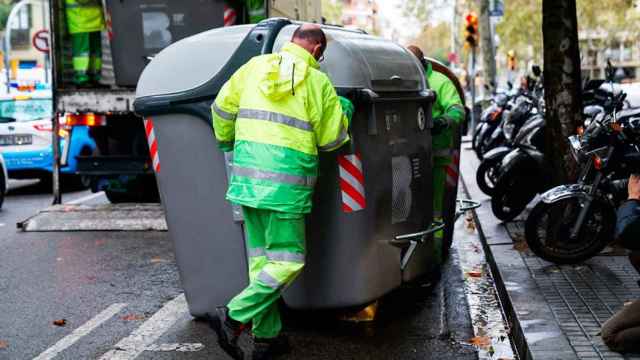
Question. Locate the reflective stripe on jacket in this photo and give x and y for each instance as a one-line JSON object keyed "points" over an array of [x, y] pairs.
{"points": [[84, 16], [275, 113], [448, 107]]}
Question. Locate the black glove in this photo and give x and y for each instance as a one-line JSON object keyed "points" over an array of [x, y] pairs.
{"points": [[440, 124]]}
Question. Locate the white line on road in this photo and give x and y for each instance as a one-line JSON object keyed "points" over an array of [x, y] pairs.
{"points": [[84, 198], [184, 347], [132, 346], [83, 330]]}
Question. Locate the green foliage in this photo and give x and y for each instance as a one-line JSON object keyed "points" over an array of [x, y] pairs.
{"points": [[435, 41], [5, 8], [332, 11], [521, 27]]}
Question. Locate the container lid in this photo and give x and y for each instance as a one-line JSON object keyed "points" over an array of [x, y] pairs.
{"points": [[355, 59], [190, 62]]}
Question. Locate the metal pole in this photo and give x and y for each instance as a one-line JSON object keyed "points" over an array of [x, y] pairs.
{"points": [[53, 25], [55, 143], [473, 89]]}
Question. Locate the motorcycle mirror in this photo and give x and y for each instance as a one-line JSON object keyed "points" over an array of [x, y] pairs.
{"points": [[509, 85], [537, 71]]}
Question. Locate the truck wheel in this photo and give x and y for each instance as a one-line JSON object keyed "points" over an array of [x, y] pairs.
{"points": [[75, 182], [119, 197], [3, 183], [147, 194]]}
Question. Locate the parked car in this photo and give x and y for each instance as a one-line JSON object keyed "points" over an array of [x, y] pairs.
{"points": [[3, 180], [25, 139]]}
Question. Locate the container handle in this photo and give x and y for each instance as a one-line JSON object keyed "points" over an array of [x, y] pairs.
{"points": [[465, 205], [411, 242], [405, 239]]}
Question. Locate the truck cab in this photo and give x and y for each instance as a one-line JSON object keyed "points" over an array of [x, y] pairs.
{"points": [[135, 32]]}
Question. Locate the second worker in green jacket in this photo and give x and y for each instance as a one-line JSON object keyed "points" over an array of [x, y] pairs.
{"points": [[85, 21], [448, 113], [275, 113]]}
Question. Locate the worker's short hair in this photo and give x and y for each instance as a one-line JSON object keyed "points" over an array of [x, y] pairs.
{"points": [[416, 51], [312, 34]]}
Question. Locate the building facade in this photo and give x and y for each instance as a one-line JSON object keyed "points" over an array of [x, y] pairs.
{"points": [[361, 14]]}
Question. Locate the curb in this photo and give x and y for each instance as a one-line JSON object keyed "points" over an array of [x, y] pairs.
{"points": [[535, 332]]}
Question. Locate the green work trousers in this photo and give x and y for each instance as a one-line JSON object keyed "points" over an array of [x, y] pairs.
{"points": [[276, 248], [86, 50], [439, 191]]}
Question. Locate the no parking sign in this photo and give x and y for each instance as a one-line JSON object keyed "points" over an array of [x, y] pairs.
{"points": [[40, 41]]}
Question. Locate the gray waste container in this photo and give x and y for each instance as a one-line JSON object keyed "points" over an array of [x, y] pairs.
{"points": [[353, 256]]}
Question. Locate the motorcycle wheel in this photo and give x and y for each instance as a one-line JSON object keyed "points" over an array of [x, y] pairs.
{"points": [[487, 175], [548, 228], [511, 195]]}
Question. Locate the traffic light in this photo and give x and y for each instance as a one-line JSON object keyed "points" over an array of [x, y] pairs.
{"points": [[471, 31], [511, 60]]}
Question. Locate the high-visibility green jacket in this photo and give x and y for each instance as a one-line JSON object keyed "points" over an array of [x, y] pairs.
{"points": [[275, 113], [257, 10], [448, 108], [84, 16]]}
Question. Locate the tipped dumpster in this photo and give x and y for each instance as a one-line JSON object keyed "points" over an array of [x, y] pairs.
{"points": [[372, 210]]}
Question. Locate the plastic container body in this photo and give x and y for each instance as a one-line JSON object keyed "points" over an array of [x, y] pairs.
{"points": [[351, 258]]}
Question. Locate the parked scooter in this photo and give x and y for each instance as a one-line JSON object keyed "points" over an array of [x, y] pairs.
{"points": [[596, 100], [525, 109], [574, 222]]}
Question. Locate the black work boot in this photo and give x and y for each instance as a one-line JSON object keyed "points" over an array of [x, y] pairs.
{"points": [[228, 331], [266, 349]]}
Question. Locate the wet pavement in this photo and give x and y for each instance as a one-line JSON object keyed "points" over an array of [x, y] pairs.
{"points": [[556, 312], [120, 298]]}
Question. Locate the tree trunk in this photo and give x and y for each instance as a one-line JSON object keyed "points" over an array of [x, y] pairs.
{"points": [[562, 84], [486, 44]]}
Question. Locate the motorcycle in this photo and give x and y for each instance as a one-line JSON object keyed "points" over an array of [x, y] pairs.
{"points": [[524, 110], [596, 100], [522, 172], [575, 222]]}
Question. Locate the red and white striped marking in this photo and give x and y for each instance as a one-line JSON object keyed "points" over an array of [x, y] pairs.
{"points": [[153, 144], [229, 16], [352, 183], [453, 169]]}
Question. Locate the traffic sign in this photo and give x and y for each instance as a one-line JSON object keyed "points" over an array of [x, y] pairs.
{"points": [[40, 41], [496, 8]]}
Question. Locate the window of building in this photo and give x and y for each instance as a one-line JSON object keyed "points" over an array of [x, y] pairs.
{"points": [[21, 29]]}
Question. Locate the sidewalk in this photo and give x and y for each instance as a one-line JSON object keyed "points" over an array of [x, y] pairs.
{"points": [[555, 312]]}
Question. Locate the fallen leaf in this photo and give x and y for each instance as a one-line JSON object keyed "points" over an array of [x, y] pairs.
{"points": [[60, 322], [475, 274], [480, 341], [520, 246], [627, 303], [132, 317], [157, 260], [3, 344]]}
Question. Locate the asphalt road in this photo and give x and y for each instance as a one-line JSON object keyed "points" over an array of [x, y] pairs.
{"points": [[119, 294]]}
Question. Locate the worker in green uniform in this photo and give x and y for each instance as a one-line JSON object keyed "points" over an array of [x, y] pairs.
{"points": [[85, 21], [257, 10], [448, 113], [275, 113]]}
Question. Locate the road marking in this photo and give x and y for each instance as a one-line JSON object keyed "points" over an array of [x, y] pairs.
{"points": [[184, 347], [144, 336], [78, 333], [85, 198]]}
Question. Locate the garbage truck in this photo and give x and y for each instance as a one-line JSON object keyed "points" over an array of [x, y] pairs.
{"points": [[370, 230], [135, 31]]}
